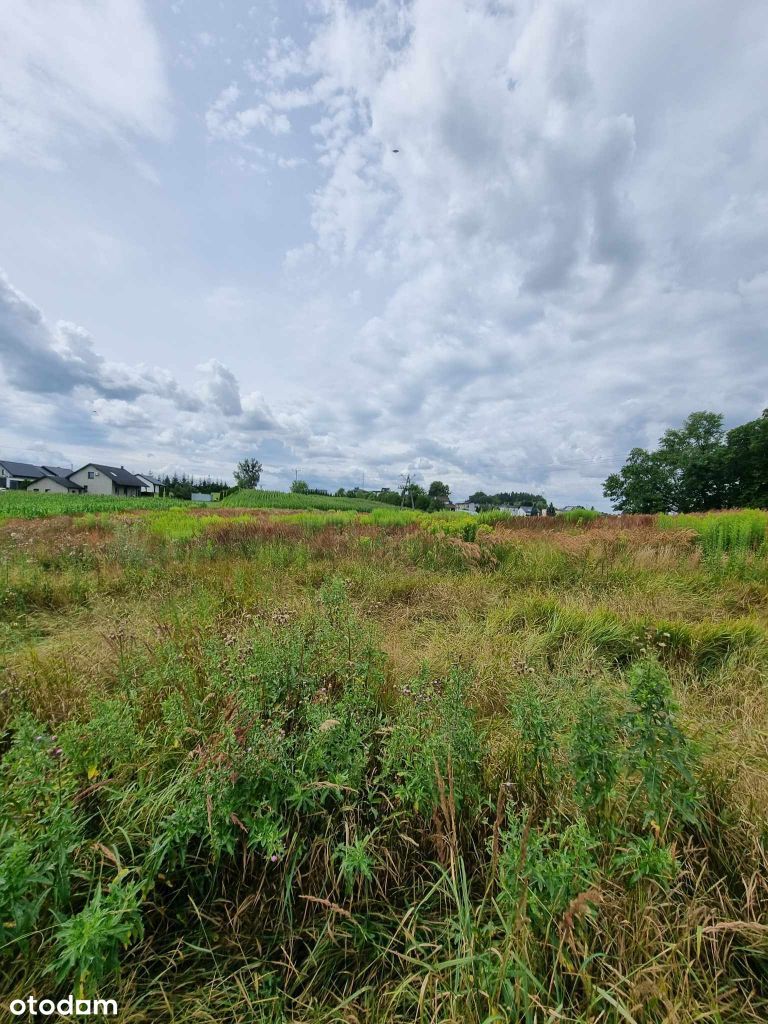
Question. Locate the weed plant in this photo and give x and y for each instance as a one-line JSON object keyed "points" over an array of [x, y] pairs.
{"points": [[344, 767]]}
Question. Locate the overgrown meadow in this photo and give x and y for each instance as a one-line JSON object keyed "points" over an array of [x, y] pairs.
{"points": [[266, 767]]}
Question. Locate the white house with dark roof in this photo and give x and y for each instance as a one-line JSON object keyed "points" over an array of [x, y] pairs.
{"points": [[15, 476], [150, 485], [53, 483], [97, 479]]}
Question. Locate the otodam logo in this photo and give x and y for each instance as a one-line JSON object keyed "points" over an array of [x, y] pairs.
{"points": [[66, 1007]]}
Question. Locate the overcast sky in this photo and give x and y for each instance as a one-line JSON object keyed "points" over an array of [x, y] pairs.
{"points": [[209, 248]]}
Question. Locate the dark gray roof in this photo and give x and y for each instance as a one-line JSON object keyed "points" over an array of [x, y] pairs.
{"points": [[24, 469], [62, 480], [152, 479], [57, 470], [118, 474]]}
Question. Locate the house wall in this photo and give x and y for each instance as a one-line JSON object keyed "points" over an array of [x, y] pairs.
{"points": [[100, 484], [47, 485]]}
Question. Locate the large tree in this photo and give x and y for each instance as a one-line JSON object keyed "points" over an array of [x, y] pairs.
{"points": [[746, 464], [695, 468], [248, 473]]}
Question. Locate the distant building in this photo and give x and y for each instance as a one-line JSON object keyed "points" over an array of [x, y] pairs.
{"points": [[15, 476], [150, 485], [116, 480], [466, 506], [52, 483]]}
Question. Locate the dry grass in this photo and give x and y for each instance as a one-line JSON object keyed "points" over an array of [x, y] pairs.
{"points": [[535, 618]]}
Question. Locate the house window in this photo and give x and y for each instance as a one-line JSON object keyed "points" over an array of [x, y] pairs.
{"points": [[91, 474]]}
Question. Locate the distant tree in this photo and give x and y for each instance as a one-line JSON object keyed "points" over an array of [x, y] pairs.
{"points": [[551, 510], [414, 495], [439, 492], [248, 473], [299, 487]]}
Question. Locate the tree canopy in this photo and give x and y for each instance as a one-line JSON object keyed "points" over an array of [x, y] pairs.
{"points": [[695, 468], [248, 473], [508, 498]]}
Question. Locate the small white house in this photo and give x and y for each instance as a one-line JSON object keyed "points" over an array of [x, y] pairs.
{"points": [[150, 485], [54, 484], [466, 506]]}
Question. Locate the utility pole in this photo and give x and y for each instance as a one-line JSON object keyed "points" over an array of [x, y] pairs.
{"points": [[407, 489]]}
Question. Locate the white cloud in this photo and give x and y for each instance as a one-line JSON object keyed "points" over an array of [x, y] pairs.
{"points": [[75, 70], [225, 123], [565, 255], [547, 292]]}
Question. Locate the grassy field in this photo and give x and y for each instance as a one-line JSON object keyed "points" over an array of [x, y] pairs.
{"points": [[279, 499], [28, 505], [386, 768]]}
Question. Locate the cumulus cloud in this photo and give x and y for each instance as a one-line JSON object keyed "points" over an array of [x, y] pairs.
{"points": [[533, 235], [56, 380], [549, 297], [225, 122]]}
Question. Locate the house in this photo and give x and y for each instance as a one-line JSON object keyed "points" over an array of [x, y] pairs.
{"points": [[97, 479], [54, 483], [466, 506], [15, 476], [150, 485], [513, 510]]}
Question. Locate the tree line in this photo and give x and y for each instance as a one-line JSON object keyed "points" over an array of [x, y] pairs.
{"points": [[695, 468], [183, 486]]}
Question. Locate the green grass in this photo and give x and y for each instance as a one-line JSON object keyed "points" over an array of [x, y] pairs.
{"points": [[722, 533], [280, 499], [580, 515], [28, 505], [386, 767]]}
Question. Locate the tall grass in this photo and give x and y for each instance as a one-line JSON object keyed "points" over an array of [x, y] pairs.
{"points": [[29, 505], [732, 533], [580, 515], [330, 767]]}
